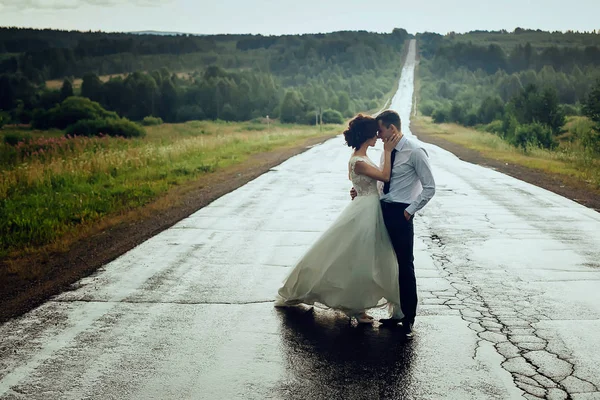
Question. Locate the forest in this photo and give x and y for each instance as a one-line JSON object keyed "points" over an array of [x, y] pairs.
{"points": [[185, 77], [523, 85]]}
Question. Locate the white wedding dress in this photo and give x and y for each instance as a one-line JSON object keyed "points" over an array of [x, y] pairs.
{"points": [[352, 267]]}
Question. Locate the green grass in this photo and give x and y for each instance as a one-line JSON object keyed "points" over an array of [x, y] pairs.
{"points": [[47, 194], [568, 160]]}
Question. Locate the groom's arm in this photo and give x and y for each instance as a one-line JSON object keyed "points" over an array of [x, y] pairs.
{"points": [[379, 183], [423, 169]]}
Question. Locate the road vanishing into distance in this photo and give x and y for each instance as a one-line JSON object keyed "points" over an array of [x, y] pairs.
{"points": [[508, 277]]}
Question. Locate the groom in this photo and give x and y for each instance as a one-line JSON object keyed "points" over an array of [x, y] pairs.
{"points": [[410, 188]]}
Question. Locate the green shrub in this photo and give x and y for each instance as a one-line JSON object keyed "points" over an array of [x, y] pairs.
{"points": [[589, 137], [255, 127], [332, 117], [471, 119], [70, 111], [579, 126], [4, 119], [534, 134], [151, 121], [509, 126], [12, 139], [311, 118], [440, 116], [427, 108], [106, 126], [189, 113], [492, 108], [494, 127], [41, 119], [569, 110], [292, 109], [228, 113], [457, 113], [23, 116]]}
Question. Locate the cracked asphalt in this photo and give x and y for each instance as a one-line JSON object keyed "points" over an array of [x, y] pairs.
{"points": [[508, 277]]}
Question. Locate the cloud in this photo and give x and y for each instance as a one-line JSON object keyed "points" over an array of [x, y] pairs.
{"points": [[73, 4]]}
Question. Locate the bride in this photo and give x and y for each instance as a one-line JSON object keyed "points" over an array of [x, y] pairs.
{"points": [[352, 267]]}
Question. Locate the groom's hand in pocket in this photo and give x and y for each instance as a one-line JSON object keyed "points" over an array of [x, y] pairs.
{"points": [[353, 193], [407, 215]]}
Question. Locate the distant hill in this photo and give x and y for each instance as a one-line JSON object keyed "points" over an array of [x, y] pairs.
{"points": [[159, 33]]}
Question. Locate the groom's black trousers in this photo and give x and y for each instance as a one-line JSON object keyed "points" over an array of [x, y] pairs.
{"points": [[402, 235]]}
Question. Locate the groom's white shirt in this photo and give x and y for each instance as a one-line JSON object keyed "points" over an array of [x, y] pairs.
{"points": [[411, 181]]}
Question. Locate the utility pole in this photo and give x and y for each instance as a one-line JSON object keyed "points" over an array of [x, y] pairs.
{"points": [[320, 118]]}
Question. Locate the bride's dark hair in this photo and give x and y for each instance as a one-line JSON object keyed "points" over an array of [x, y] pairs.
{"points": [[360, 129]]}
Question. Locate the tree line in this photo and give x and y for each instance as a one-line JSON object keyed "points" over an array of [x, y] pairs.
{"points": [[523, 93], [493, 57], [234, 77]]}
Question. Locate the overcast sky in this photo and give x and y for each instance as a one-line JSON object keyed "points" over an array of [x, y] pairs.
{"points": [[301, 16]]}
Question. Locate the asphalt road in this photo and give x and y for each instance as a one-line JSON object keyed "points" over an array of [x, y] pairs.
{"points": [[508, 277]]}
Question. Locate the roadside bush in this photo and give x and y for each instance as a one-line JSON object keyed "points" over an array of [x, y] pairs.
{"points": [[494, 127], [440, 116], [13, 139], [569, 110], [23, 116], [578, 127], [106, 126], [70, 111], [590, 140], [228, 113], [151, 121], [255, 128], [492, 108], [311, 118], [292, 109], [4, 119], [534, 134], [41, 119], [373, 105], [471, 119], [427, 108], [509, 126], [457, 113], [332, 117], [189, 113]]}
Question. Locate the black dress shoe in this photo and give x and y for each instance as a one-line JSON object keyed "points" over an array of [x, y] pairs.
{"points": [[408, 331], [390, 322]]}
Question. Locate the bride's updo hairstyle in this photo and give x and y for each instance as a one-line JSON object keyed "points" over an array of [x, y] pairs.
{"points": [[360, 129]]}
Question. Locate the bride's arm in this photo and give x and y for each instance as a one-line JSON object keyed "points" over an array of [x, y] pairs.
{"points": [[364, 168]]}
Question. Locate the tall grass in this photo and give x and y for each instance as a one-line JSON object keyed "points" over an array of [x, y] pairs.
{"points": [[51, 185]]}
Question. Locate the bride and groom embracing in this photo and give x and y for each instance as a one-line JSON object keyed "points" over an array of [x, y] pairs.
{"points": [[365, 259]]}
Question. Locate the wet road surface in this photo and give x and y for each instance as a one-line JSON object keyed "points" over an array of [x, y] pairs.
{"points": [[508, 277]]}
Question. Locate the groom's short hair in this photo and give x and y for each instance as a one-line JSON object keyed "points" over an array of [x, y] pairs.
{"points": [[389, 117]]}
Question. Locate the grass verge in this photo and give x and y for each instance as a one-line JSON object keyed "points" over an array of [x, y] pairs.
{"points": [[52, 189], [568, 160]]}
